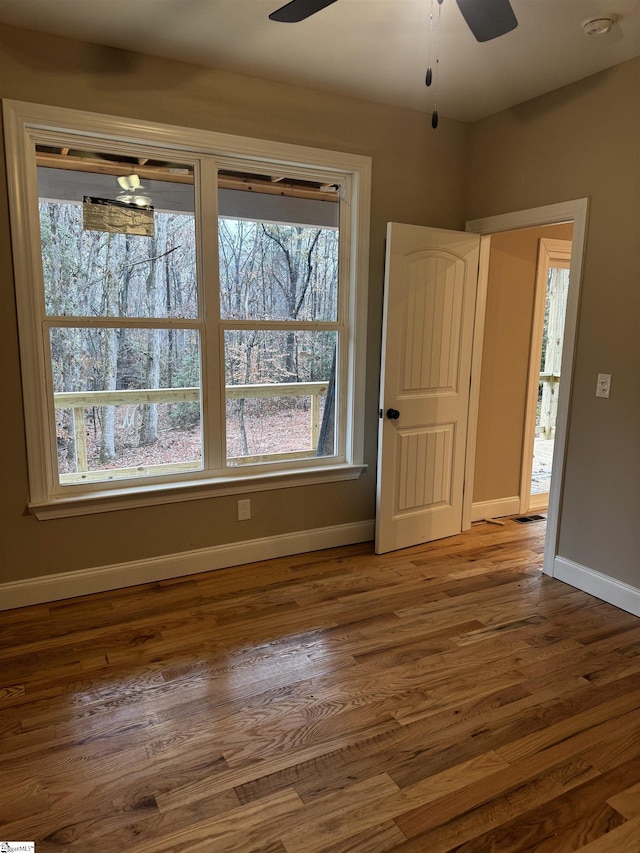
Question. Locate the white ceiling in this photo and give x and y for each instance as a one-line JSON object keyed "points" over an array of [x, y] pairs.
{"points": [[372, 49]]}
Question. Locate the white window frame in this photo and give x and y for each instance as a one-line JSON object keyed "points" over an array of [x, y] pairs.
{"points": [[27, 124]]}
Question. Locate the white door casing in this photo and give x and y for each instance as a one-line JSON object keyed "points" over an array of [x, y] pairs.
{"points": [[429, 308]]}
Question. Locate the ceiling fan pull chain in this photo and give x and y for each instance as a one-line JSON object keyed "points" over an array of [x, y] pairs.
{"points": [[429, 75], [434, 114]]}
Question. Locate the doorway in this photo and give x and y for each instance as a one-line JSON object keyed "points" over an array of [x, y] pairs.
{"points": [[574, 214], [545, 366], [513, 345]]}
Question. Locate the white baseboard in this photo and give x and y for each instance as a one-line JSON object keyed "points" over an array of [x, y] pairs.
{"points": [[102, 578], [537, 503], [495, 509], [601, 586]]}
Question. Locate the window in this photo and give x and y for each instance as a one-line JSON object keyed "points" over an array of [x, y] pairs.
{"points": [[189, 316]]}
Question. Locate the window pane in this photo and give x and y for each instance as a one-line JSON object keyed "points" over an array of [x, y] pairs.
{"points": [[94, 262], [280, 394], [278, 253], [126, 400]]}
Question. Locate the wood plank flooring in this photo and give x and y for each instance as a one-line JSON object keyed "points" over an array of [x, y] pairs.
{"points": [[445, 697]]}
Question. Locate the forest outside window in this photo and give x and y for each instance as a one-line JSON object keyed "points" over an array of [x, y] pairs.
{"points": [[191, 321]]}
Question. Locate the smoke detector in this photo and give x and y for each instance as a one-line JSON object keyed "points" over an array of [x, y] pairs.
{"points": [[599, 26]]}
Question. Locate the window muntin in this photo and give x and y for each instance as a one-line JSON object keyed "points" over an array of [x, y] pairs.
{"points": [[28, 125]]}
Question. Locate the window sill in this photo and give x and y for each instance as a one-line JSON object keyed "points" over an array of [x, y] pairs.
{"points": [[139, 496]]}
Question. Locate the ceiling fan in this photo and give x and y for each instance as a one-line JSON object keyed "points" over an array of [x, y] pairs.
{"points": [[487, 19]]}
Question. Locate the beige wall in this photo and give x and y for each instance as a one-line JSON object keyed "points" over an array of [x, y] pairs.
{"points": [[584, 141], [505, 359], [418, 177]]}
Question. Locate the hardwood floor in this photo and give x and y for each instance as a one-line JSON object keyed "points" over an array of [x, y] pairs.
{"points": [[446, 697]]}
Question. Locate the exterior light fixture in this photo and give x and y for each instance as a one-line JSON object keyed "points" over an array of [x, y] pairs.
{"points": [[133, 191]]}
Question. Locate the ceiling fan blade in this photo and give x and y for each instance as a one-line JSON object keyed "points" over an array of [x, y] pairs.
{"points": [[298, 10], [488, 19]]}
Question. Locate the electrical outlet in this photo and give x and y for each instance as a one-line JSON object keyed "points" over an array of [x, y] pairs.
{"points": [[603, 388], [244, 510]]}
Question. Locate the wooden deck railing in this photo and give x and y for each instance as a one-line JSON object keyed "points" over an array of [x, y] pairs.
{"points": [[78, 401], [548, 396]]}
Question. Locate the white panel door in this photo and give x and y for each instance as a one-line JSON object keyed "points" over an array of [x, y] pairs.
{"points": [[429, 307]]}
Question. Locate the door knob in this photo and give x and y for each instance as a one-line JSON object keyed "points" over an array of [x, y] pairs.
{"points": [[393, 414]]}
